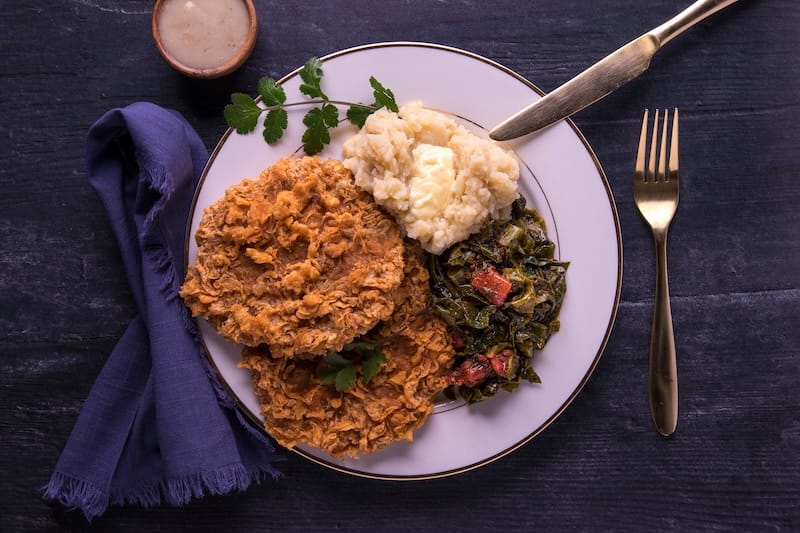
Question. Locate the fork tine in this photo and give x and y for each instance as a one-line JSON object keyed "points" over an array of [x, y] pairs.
{"points": [[662, 156], [640, 155], [651, 166], [673, 148]]}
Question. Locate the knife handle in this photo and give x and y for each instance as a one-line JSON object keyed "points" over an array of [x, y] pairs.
{"points": [[603, 77], [688, 18]]}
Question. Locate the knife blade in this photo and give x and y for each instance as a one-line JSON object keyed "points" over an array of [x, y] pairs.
{"points": [[604, 77], [581, 91]]}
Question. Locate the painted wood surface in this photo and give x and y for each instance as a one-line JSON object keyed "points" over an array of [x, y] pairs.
{"points": [[734, 463]]}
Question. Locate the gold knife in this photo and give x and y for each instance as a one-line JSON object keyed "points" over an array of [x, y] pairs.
{"points": [[604, 77]]}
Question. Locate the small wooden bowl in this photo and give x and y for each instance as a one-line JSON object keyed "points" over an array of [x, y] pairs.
{"points": [[211, 72]]}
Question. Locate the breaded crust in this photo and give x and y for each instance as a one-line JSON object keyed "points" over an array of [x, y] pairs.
{"points": [[298, 408], [299, 259]]}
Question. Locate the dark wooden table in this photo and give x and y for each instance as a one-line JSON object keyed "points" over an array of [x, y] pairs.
{"points": [[734, 463]]}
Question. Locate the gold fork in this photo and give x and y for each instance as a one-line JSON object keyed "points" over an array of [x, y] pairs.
{"points": [[655, 192]]}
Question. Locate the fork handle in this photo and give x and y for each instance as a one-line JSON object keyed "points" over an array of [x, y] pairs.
{"points": [[663, 372]]}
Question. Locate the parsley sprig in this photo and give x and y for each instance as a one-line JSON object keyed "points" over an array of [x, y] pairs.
{"points": [[243, 112], [341, 371]]}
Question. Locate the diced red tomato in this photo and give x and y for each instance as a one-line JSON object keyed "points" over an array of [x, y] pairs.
{"points": [[490, 283], [504, 363], [472, 372]]}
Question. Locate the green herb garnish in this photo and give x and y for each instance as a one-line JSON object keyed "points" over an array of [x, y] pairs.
{"points": [[339, 369], [357, 114], [243, 112]]}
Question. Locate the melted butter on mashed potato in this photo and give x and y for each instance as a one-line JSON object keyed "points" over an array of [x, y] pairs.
{"points": [[440, 181]]}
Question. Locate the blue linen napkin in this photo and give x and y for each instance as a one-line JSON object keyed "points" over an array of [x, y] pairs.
{"points": [[157, 427]]}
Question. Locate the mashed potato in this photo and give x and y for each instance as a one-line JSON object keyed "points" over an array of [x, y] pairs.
{"points": [[440, 181]]}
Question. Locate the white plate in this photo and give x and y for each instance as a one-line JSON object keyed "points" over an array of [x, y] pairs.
{"points": [[561, 177]]}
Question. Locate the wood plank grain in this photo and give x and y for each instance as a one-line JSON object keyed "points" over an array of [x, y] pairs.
{"points": [[734, 253]]}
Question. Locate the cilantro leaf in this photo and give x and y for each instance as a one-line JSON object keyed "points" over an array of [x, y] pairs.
{"points": [[311, 74], [361, 346], [272, 94], [372, 365], [316, 135], [340, 371], [336, 360], [357, 114], [332, 365], [383, 97], [242, 113], [328, 375], [330, 115], [275, 124], [345, 378]]}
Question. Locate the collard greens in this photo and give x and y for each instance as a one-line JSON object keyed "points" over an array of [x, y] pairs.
{"points": [[500, 291]]}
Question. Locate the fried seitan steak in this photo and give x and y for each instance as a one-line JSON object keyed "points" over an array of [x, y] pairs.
{"points": [[298, 408], [299, 259]]}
